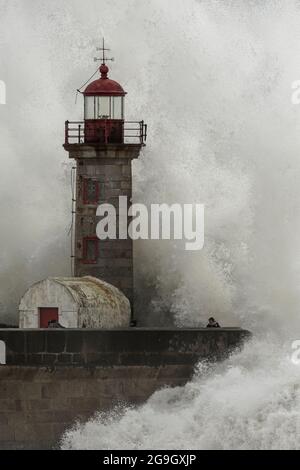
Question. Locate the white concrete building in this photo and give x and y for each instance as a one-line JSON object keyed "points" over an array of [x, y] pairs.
{"points": [[75, 303]]}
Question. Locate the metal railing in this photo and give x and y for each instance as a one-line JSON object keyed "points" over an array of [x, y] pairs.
{"points": [[127, 132]]}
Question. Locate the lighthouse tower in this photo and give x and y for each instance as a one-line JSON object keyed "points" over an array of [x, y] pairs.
{"points": [[103, 147]]}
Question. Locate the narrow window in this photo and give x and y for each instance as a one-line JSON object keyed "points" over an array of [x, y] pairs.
{"points": [[103, 107], [90, 191], [117, 107], [89, 107], [90, 250]]}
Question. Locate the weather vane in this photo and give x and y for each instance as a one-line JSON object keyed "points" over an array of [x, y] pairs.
{"points": [[104, 58]]}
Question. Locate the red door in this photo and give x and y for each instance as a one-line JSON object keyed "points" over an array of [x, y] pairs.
{"points": [[47, 314]]}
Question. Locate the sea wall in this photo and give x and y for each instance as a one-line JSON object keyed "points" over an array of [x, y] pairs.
{"points": [[54, 377]]}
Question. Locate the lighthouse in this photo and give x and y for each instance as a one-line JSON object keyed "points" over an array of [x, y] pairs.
{"points": [[103, 147]]}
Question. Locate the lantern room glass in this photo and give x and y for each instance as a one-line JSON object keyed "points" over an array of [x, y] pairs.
{"points": [[104, 107], [117, 107], [89, 107]]}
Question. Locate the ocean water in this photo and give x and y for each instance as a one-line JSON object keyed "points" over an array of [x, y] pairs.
{"points": [[213, 80], [250, 401]]}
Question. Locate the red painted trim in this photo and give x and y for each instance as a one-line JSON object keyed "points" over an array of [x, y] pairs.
{"points": [[85, 199], [84, 250]]}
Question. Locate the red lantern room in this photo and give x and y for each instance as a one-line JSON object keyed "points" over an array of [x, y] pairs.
{"points": [[104, 110], [104, 121]]}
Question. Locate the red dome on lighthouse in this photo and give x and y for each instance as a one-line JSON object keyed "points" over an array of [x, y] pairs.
{"points": [[104, 86]]}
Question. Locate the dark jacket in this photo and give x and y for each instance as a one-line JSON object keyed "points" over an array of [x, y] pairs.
{"points": [[213, 325]]}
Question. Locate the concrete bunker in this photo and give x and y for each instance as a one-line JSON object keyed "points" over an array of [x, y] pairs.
{"points": [[75, 302]]}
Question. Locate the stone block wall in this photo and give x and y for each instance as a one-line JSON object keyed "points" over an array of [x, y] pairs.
{"points": [[38, 404], [114, 262], [54, 377], [126, 347], [109, 168]]}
